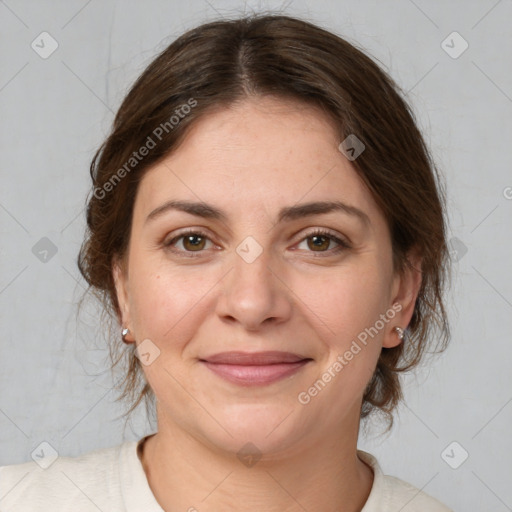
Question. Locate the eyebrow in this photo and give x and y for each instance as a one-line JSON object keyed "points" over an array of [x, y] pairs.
{"points": [[289, 213]]}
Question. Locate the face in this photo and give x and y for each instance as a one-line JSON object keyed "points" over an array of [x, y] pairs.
{"points": [[264, 312]]}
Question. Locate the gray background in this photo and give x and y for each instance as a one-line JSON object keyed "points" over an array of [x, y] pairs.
{"points": [[54, 382]]}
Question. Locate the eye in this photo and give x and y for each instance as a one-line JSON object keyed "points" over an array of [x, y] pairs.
{"points": [[191, 241], [195, 241], [320, 240]]}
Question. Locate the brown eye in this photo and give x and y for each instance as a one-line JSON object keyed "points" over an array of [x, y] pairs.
{"points": [[194, 242], [188, 242], [319, 242]]}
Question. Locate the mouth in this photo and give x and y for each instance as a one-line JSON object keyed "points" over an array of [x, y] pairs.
{"points": [[257, 368]]}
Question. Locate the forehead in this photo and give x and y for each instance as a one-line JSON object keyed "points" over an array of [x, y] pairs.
{"points": [[263, 152]]}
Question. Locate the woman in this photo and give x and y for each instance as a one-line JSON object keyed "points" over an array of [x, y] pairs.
{"points": [[266, 226]]}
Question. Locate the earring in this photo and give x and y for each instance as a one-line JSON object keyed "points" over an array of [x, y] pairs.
{"points": [[400, 333], [124, 332]]}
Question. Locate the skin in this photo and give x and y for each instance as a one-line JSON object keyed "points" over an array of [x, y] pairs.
{"points": [[251, 160]]}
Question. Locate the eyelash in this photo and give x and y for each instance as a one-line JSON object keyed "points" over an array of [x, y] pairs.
{"points": [[342, 244]]}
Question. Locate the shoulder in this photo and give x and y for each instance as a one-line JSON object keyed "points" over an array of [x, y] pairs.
{"points": [[390, 494], [87, 482]]}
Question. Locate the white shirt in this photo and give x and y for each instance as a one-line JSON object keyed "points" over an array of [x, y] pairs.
{"points": [[113, 480]]}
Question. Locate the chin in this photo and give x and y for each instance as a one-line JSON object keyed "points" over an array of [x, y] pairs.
{"points": [[269, 428]]}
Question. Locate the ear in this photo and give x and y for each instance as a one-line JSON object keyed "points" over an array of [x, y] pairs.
{"points": [[120, 276], [406, 286]]}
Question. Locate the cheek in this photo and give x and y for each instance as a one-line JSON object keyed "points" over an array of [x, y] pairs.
{"points": [[168, 303], [347, 305], [346, 301]]}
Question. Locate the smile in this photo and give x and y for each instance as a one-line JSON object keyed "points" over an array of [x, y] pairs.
{"points": [[255, 369]]}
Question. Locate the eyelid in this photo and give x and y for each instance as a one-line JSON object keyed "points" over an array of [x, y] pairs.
{"points": [[326, 232], [186, 231]]}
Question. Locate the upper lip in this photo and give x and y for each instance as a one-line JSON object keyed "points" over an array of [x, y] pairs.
{"points": [[254, 358]]}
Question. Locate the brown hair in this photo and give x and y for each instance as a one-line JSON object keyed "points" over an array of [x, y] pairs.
{"points": [[221, 62]]}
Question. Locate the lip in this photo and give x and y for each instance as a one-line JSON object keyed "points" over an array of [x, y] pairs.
{"points": [[256, 368]]}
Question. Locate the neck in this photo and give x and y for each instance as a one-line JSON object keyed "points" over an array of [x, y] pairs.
{"points": [[185, 474]]}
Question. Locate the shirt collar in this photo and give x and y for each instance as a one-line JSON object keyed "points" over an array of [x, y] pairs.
{"points": [[374, 501], [135, 489]]}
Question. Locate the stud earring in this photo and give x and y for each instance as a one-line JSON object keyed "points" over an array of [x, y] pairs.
{"points": [[400, 333], [124, 332]]}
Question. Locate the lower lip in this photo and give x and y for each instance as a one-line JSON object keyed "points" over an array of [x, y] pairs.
{"points": [[256, 375]]}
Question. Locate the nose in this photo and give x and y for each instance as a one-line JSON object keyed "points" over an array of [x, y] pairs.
{"points": [[254, 295]]}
